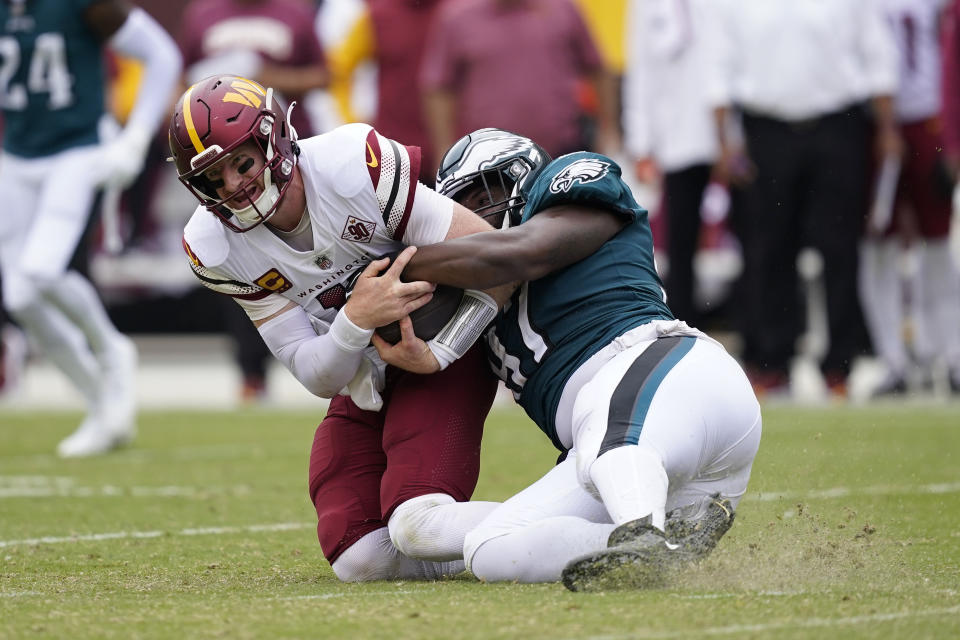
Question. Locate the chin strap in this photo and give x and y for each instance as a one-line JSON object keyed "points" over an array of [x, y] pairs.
{"points": [[477, 310]]}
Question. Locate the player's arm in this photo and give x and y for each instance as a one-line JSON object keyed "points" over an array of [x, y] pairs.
{"points": [[323, 357], [131, 32], [552, 239]]}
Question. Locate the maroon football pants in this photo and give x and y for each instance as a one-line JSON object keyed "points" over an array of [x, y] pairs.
{"points": [[426, 439]]}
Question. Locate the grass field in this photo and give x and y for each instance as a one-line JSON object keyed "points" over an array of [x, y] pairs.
{"points": [[850, 529]]}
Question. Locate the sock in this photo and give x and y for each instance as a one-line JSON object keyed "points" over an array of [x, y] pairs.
{"points": [[76, 297], [538, 552], [632, 483], [373, 557], [879, 283], [938, 301], [63, 345]]}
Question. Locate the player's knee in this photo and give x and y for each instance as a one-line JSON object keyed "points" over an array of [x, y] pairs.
{"points": [[372, 557], [412, 524]]}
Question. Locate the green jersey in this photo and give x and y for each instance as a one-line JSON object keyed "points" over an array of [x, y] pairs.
{"points": [[553, 325], [52, 76]]}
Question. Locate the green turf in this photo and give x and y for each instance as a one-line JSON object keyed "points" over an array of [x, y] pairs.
{"points": [[850, 529]]}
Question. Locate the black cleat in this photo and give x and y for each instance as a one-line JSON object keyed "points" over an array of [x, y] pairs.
{"points": [[638, 556]]}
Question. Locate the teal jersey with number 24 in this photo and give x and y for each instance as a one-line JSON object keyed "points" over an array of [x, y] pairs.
{"points": [[52, 76], [553, 325]]}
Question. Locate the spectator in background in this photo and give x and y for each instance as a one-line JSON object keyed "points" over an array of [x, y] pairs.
{"points": [[274, 43], [669, 127], [800, 73], [918, 216], [54, 158], [516, 65], [391, 33]]}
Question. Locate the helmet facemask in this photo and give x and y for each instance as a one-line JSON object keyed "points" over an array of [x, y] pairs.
{"points": [[496, 163]]}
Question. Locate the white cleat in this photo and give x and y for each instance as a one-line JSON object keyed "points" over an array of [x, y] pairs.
{"points": [[91, 438], [118, 395]]}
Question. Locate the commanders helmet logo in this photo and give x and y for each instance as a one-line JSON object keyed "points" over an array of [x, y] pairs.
{"points": [[582, 171]]}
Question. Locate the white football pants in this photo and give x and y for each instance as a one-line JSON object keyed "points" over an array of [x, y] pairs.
{"points": [[692, 430]]}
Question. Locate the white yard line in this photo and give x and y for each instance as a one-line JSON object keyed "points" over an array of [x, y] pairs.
{"points": [[120, 535], [34, 486], [809, 623], [844, 492]]}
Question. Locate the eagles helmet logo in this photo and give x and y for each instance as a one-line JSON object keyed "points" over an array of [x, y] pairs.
{"points": [[583, 171]]}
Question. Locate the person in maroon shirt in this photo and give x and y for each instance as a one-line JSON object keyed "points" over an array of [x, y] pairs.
{"points": [[391, 34], [515, 65], [270, 41]]}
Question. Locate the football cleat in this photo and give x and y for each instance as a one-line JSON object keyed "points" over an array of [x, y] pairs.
{"points": [[638, 556], [91, 438], [114, 423]]}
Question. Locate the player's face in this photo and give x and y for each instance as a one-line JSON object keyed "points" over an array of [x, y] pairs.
{"points": [[479, 196], [232, 175]]}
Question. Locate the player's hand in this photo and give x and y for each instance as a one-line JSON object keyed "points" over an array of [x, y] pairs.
{"points": [[377, 300], [121, 159], [411, 353]]}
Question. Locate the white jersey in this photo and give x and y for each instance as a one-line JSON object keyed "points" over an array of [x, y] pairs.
{"points": [[363, 201], [915, 23]]}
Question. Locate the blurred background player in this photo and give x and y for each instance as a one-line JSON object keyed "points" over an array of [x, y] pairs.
{"points": [[54, 158], [917, 219], [272, 42], [516, 65], [669, 127], [801, 74]]}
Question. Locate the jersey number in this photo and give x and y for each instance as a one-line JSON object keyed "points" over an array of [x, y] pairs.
{"points": [[537, 347], [47, 73]]}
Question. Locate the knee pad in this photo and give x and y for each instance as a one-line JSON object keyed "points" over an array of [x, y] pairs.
{"points": [[410, 523], [372, 557]]}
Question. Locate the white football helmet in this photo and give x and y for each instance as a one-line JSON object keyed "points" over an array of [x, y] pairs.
{"points": [[492, 157]]}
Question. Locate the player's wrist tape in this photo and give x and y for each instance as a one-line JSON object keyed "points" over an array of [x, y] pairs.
{"points": [[347, 335], [475, 313]]}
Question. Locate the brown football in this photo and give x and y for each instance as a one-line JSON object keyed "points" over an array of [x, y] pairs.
{"points": [[430, 318]]}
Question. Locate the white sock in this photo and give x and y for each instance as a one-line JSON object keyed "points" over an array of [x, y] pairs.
{"points": [[938, 301], [433, 526], [64, 345], [78, 300], [632, 483], [880, 296], [373, 557], [538, 552]]}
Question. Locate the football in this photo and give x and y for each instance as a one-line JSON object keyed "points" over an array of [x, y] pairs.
{"points": [[430, 318]]}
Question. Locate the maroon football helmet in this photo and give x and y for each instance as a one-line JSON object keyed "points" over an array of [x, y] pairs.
{"points": [[214, 117]]}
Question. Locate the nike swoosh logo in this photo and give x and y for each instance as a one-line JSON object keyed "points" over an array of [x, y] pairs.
{"points": [[372, 162]]}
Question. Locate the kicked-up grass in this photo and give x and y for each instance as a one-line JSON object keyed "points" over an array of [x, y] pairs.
{"points": [[203, 528]]}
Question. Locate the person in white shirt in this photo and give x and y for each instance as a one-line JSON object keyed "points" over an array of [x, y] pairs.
{"points": [[801, 72], [917, 215], [669, 127], [284, 227]]}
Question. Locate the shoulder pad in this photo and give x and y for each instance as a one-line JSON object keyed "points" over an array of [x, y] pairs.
{"points": [[582, 178], [206, 238]]}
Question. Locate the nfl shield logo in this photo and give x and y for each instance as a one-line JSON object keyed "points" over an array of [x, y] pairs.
{"points": [[323, 262]]}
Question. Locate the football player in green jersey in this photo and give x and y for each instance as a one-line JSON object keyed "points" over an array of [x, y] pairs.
{"points": [[52, 91], [653, 416]]}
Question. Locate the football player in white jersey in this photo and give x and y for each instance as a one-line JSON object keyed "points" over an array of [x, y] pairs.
{"points": [[52, 94], [918, 214], [284, 225]]}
